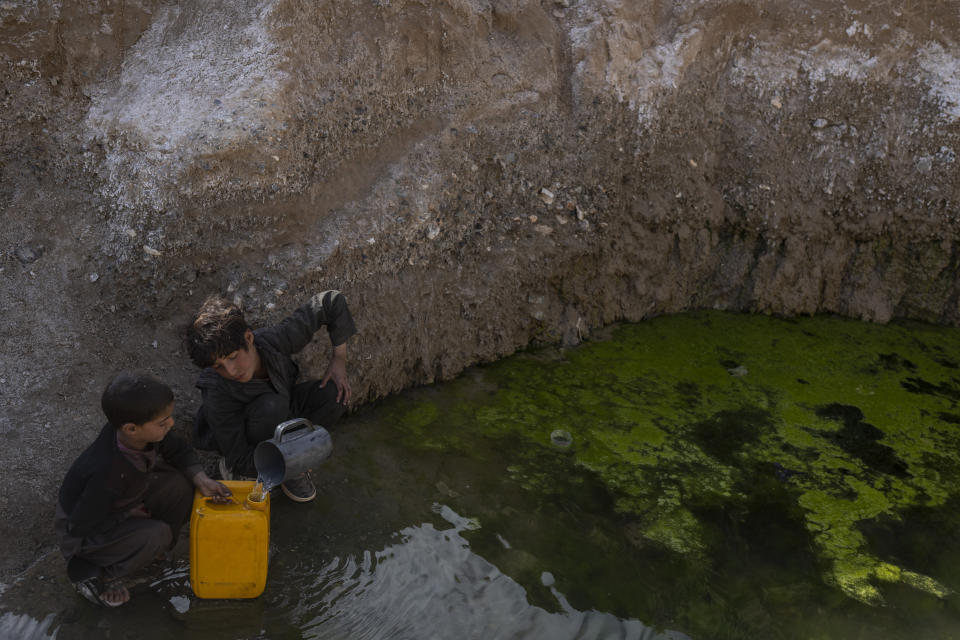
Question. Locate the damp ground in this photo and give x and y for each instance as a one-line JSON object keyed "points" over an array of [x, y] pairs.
{"points": [[705, 475]]}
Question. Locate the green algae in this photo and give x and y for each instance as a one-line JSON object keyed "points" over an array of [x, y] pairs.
{"points": [[683, 415]]}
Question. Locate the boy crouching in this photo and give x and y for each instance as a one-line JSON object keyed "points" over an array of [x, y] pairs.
{"points": [[125, 498]]}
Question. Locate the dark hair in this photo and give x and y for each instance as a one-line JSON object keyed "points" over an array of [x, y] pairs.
{"points": [[134, 397], [218, 330]]}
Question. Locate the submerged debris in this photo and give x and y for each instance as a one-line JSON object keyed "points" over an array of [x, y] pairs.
{"points": [[561, 438]]}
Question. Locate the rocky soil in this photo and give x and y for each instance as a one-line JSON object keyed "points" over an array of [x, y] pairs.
{"points": [[474, 175]]}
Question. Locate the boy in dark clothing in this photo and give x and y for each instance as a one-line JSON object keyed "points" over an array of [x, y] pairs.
{"points": [[124, 500], [249, 382]]}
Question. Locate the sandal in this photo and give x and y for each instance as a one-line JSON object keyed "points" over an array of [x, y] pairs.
{"points": [[93, 589]]}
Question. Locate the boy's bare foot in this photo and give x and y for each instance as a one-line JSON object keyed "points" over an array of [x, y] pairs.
{"points": [[114, 595]]}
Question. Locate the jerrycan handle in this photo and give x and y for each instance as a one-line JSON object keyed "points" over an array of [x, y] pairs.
{"points": [[291, 425]]}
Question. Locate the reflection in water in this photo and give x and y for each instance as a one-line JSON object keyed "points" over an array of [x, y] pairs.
{"points": [[431, 585], [24, 627], [427, 584]]}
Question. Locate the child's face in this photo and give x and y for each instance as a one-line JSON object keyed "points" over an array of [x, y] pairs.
{"points": [[240, 365], [156, 429]]}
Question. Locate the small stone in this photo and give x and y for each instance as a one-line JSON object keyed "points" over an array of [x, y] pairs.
{"points": [[561, 438], [93, 277], [543, 229], [532, 218], [775, 102], [371, 241], [693, 163], [276, 158], [432, 232], [131, 233], [561, 219], [26, 255], [180, 603], [151, 251], [154, 344], [546, 195], [819, 123], [580, 214]]}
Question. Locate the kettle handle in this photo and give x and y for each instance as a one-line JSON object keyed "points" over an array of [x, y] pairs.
{"points": [[290, 425]]}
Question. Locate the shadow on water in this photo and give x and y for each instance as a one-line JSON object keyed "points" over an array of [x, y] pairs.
{"points": [[861, 440], [718, 477]]}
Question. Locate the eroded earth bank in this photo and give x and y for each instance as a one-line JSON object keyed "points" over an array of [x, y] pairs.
{"points": [[474, 175]]}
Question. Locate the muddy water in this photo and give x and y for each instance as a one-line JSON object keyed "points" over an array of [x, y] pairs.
{"points": [[704, 476]]}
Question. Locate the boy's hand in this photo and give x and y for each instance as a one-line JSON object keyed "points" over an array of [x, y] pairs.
{"points": [[216, 491], [337, 371]]}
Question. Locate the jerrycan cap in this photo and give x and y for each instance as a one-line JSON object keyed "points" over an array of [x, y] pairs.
{"points": [[257, 498]]}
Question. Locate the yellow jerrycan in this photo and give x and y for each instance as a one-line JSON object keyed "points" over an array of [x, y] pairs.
{"points": [[229, 544]]}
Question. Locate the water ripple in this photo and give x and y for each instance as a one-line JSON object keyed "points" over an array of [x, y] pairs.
{"points": [[24, 627], [431, 585]]}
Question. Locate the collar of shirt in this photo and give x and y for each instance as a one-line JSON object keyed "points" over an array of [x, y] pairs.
{"points": [[142, 460]]}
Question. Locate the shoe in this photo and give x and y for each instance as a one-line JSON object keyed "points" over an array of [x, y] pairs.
{"points": [[300, 489], [92, 588], [225, 473]]}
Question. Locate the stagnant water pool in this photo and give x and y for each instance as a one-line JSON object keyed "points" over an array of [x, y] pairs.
{"points": [[706, 476]]}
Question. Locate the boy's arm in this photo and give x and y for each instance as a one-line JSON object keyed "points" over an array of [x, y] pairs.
{"points": [[226, 420], [93, 511], [209, 487], [337, 371], [181, 454], [295, 332]]}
